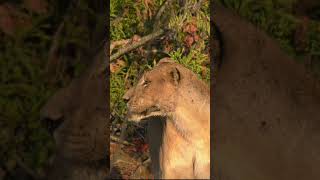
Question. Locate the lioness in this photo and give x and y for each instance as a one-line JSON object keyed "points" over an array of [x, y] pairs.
{"points": [[176, 104], [266, 108]]}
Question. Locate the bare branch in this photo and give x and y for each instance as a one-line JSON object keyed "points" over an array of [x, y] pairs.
{"points": [[27, 169], [157, 22], [55, 45], [118, 140], [158, 15], [197, 6], [118, 43], [133, 46]]}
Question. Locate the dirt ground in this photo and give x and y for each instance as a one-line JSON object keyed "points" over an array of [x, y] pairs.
{"points": [[129, 156]]}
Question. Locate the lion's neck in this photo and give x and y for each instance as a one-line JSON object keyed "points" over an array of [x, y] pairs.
{"points": [[192, 121], [187, 128]]}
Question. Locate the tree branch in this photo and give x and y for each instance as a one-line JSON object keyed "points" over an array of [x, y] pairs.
{"points": [[27, 169], [133, 46], [118, 140], [157, 23], [158, 15], [128, 48], [118, 43]]}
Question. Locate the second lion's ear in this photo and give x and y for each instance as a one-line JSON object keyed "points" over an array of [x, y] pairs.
{"points": [[165, 60], [175, 75]]}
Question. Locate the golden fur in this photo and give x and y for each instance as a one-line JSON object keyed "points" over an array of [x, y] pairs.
{"points": [[177, 106]]}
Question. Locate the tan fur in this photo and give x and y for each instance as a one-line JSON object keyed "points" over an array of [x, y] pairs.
{"points": [[180, 120], [265, 110]]}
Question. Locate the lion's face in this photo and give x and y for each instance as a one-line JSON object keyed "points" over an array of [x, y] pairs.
{"points": [[155, 93]]}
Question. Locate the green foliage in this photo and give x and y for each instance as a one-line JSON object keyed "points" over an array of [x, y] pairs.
{"points": [[278, 19], [21, 96], [129, 18], [196, 55], [314, 46], [24, 85], [117, 90], [193, 61]]}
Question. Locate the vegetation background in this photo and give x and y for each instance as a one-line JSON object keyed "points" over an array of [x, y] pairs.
{"points": [[293, 23], [46, 43], [188, 43], [43, 45], [187, 24]]}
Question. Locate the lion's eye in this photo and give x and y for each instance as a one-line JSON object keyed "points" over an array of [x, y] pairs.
{"points": [[146, 83]]}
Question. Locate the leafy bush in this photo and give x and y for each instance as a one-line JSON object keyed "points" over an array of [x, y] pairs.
{"points": [[25, 85], [279, 19], [129, 18]]}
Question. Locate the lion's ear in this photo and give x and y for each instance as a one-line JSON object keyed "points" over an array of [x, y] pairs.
{"points": [[165, 60], [175, 75]]}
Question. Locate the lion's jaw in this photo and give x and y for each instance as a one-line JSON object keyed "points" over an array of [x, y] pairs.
{"points": [[137, 116]]}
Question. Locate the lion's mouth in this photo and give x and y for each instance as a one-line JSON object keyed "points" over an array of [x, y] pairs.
{"points": [[149, 112]]}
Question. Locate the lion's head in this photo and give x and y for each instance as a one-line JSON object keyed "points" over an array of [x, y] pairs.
{"points": [[155, 93]]}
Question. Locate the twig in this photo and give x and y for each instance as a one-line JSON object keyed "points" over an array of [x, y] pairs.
{"points": [[157, 23], [124, 142], [197, 6], [193, 7], [122, 161], [55, 43], [124, 127], [142, 165], [131, 47], [118, 43], [54, 46], [146, 161], [158, 15], [127, 76], [31, 172]]}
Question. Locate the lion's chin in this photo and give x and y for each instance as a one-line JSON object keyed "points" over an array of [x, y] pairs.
{"points": [[138, 117]]}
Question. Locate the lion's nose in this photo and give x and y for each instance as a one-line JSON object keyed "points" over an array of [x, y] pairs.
{"points": [[126, 97]]}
